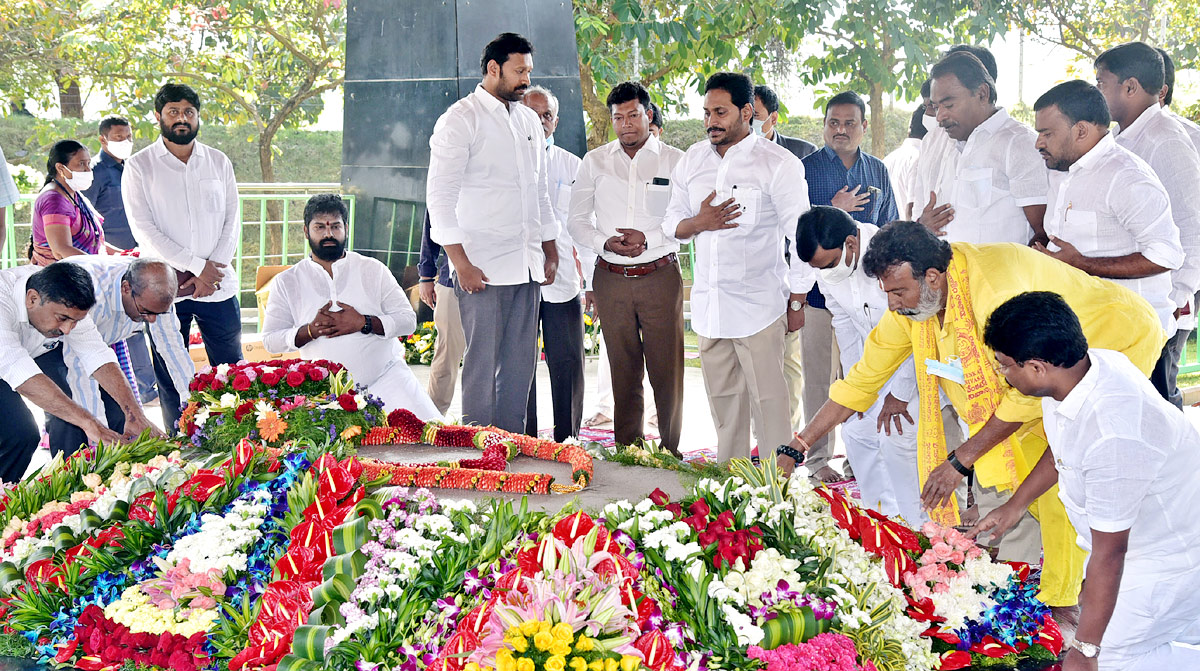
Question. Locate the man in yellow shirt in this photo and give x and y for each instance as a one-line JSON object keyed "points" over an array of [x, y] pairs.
{"points": [[960, 285]]}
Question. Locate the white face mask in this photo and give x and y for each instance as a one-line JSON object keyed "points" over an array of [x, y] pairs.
{"points": [[929, 122], [841, 271], [549, 142], [757, 125], [121, 150], [80, 181]]}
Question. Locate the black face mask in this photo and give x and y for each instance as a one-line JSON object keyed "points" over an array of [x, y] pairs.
{"points": [[178, 134], [327, 252]]}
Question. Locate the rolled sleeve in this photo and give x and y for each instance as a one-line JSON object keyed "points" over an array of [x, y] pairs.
{"points": [[1145, 210], [581, 212], [1114, 484], [168, 341], [397, 316], [1028, 176], [887, 347], [18, 368]]}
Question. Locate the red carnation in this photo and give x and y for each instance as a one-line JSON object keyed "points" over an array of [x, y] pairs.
{"points": [[348, 403], [270, 378], [295, 378], [241, 383]]}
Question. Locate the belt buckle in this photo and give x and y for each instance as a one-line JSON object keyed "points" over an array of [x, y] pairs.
{"points": [[625, 271]]}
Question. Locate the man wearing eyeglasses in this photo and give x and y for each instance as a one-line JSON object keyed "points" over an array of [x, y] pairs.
{"points": [[131, 294]]}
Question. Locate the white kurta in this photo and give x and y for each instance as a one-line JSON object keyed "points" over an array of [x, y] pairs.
{"points": [[376, 362], [1128, 460]]}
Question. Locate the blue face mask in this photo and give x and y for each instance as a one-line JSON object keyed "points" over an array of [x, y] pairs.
{"points": [[549, 142]]}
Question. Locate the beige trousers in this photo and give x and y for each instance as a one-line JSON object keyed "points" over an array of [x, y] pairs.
{"points": [[447, 349], [809, 364], [746, 387]]}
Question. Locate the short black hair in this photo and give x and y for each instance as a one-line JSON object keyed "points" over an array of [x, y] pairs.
{"points": [[656, 117], [1078, 101], [626, 91], [173, 93], [739, 86], [982, 53], [326, 203], [64, 283], [969, 71], [916, 127], [767, 95], [1135, 60], [847, 98], [1036, 325], [60, 152], [503, 46], [822, 226], [906, 242], [109, 122], [1168, 75], [927, 88]]}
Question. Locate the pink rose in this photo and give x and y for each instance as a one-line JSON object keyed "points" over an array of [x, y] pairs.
{"points": [[957, 557], [974, 553], [940, 588], [942, 551]]}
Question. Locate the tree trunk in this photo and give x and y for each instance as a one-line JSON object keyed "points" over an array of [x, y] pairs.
{"points": [[597, 111], [70, 100], [878, 120], [266, 164]]}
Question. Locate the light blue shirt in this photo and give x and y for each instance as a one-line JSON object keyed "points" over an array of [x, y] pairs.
{"points": [[115, 326]]}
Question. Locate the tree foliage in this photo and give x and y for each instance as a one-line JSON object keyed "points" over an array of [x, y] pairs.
{"points": [[1088, 27]]}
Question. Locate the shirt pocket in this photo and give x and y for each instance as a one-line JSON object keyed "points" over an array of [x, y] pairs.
{"points": [[656, 198], [750, 200], [974, 188], [1081, 229], [212, 196], [562, 199]]}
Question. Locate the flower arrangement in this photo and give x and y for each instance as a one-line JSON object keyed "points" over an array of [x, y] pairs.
{"points": [[591, 335], [276, 402], [418, 346]]}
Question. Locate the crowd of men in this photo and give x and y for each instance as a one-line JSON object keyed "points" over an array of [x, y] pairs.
{"points": [[994, 314]]}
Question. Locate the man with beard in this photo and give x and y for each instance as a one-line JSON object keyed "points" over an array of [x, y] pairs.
{"points": [[181, 200], [739, 196], [348, 308], [939, 297], [40, 309], [489, 207]]}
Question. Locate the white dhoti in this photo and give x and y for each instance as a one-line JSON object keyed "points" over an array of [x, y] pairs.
{"points": [[1156, 623], [398, 388]]}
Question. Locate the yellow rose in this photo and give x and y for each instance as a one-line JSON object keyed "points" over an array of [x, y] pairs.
{"points": [[520, 644], [597, 665], [563, 632], [530, 627], [630, 663], [578, 664], [560, 648], [584, 644], [504, 654], [471, 666], [506, 664], [611, 664], [544, 626], [555, 663], [543, 640], [524, 664]]}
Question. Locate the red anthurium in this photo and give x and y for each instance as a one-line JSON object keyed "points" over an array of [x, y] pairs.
{"points": [[1049, 636], [242, 455], [1021, 568], [990, 647], [675, 509], [66, 651], [655, 648], [659, 497], [573, 527], [955, 659]]}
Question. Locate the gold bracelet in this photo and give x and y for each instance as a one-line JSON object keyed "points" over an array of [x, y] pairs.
{"points": [[310, 335]]}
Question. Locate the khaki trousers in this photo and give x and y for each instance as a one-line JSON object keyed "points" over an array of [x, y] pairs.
{"points": [[642, 322], [746, 386], [448, 348], [809, 365]]}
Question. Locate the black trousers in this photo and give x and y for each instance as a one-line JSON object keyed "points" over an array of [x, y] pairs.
{"points": [[1165, 375], [220, 325], [562, 340], [19, 433]]}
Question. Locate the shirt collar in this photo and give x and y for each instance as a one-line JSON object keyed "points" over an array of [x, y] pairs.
{"points": [[1075, 399], [1095, 154], [108, 160], [833, 156], [490, 102], [160, 148], [993, 123], [653, 145], [1140, 124], [745, 144]]}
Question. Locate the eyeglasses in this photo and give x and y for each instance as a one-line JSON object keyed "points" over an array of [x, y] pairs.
{"points": [[143, 312]]}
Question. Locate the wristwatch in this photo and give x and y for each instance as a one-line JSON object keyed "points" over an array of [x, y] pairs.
{"points": [[796, 306], [368, 327], [1089, 650]]}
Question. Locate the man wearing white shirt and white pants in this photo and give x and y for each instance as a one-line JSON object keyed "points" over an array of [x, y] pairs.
{"points": [[347, 308], [739, 196], [1126, 464], [1109, 214], [617, 208], [1131, 77], [181, 199], [489, 207], [987, 183], [560, 313]]}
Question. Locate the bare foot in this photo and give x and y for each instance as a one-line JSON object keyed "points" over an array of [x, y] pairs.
{"points": [[970, 516], [597, 419], [826, 474], [1067, 618]]}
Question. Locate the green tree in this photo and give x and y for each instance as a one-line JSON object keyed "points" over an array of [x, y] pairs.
{"points": [[1088, 27], [883, 47], [42, 43], [662, 43]]}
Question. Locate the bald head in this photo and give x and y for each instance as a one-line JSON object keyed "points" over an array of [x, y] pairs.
{"points": [[153, 279]]}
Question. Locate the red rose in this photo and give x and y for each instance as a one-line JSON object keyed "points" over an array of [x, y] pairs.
{"points": [[243, 410], [270, 378], [295, 378], [215, 385], [241, 383], [348, 403], [316, 374]]}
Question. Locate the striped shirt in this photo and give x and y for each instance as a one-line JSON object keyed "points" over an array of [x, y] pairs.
{"points": [[114, 326]]}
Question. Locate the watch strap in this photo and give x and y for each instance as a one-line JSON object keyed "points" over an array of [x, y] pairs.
{"points": [[789, 451], [958, 465], [1089, 650]]}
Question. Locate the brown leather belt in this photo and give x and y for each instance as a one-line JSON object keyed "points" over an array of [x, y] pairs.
{"points": [[637, 269]]}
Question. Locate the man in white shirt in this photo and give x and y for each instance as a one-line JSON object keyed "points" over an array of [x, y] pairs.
{"points": [[617, 207], [347, 308], [41, 308], [489, 207], [1110, 215], [1131, 77], [181, 200], [1126, 465], [739, 196], [902, 162], [884, 462], [991, 177], [131, 293], [561, 313], [1167, 94]]}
